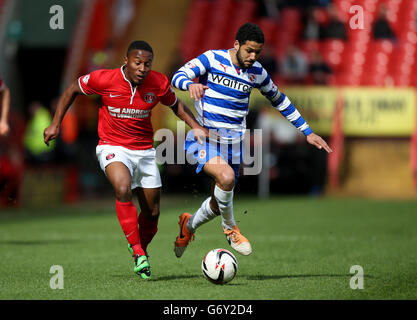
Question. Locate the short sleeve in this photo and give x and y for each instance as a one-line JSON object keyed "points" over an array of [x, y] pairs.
{"points": [[90, 83]]}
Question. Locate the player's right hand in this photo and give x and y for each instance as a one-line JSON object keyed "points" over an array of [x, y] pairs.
{"points": [[50, 133], [197, 90]]}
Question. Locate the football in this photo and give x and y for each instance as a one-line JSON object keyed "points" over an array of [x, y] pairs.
{"points": [[219, 266]]}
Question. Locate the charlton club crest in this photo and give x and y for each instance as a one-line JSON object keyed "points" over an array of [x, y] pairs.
{"points": [[150, 97], [110, 156]]}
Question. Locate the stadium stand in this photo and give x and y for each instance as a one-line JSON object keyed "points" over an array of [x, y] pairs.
{"points": [[366, 61]]}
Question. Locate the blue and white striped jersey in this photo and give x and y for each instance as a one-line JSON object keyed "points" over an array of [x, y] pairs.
{"points": [[226, 103]]}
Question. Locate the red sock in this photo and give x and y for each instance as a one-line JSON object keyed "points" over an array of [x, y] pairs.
{"points": [[148, 229], [128, 219]]}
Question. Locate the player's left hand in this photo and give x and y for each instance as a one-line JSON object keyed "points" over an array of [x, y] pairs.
{"points": [[318, 142]]}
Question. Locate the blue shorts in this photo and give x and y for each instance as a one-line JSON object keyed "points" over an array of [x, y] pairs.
{"points": [[201, 153]]}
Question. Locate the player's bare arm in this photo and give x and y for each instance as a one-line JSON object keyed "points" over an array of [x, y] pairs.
{"points": [[64, 102], [5, 106], [185, 114], [318, 142], [196, 90]]}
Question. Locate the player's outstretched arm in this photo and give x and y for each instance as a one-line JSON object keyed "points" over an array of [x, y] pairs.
{"points": [[64, 102], [5, 106], [318, 142], [185, 114], [281, 102]]}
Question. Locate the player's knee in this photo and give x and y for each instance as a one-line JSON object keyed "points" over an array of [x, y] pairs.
{"points": [[123, 192], [154, 214], [226, 179], [151, 213]]}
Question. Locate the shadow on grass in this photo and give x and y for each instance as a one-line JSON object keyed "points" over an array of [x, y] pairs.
{"points": [[176, 277], [155, 278], [179, 277], [277, 277], [247, 277], [37, 242]]}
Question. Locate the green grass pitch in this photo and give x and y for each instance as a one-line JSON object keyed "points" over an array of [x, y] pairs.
{"points": [[303, 248]]}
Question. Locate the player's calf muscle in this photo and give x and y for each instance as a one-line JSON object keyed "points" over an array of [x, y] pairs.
{"points": [[214, 206]]}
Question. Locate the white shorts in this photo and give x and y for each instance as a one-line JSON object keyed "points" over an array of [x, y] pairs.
{"points": [[141, 164]]}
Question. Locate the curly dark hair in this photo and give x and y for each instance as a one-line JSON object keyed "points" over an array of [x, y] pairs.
{"points": [[250, 32]]}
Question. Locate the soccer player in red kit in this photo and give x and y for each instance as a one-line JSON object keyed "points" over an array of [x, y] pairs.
{"points": [[5, 106], [125, 149]]}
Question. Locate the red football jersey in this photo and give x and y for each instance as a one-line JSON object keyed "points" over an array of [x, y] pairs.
{"points": [[1, 84], [125, 115]]}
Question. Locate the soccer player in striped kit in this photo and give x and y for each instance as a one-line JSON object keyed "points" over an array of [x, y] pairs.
{"points": [[125, 149], [221, 100]]}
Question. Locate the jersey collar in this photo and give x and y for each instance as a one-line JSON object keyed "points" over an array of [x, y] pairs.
{"points": [[132, 88], [123, 74]]}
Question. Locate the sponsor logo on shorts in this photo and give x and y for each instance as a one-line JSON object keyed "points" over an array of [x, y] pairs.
{"points": [[110, 156], [202, 154], [150, 97]]}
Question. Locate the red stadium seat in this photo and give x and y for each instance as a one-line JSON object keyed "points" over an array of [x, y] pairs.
{"points": [[220, 23], [269, 27], [358, 61], [377, 62], [243, 11], [194, 28], [308, 46]]}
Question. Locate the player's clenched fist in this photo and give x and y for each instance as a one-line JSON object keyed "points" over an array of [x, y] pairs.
{"points": [[50, 133], [197, 90]]}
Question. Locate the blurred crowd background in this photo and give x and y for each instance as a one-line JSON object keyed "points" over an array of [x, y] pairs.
{"points": [[349, 66]]}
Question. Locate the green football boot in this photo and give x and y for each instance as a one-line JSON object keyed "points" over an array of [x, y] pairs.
{"points": [[142, 267], [129, 247]]}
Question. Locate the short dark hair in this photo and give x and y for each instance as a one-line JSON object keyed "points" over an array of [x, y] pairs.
{"points": [[139, 45], [250, 32]]}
